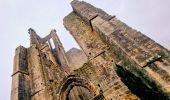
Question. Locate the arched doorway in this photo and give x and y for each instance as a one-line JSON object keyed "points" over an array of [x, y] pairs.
{"points": [[75, 81], [79, 93]]}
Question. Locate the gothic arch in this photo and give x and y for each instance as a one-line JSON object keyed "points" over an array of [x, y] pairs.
{"points": [[72, 81]]}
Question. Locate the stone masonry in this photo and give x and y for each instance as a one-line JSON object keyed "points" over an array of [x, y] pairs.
{"points": [[115, 62]]}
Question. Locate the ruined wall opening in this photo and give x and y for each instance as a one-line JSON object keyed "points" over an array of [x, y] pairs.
{"points": [[77, 86], [79, 93], [145, 91], [51, 43]]}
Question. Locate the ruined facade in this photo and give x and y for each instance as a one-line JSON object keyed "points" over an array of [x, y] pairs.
{"points": [[116, 62]]}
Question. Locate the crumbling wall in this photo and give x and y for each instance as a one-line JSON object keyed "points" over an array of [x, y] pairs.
{"points": [[103, 74], [99, 34], [20, 80]]}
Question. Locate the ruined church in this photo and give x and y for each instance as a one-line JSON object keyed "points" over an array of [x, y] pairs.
{"points": [[116, 62]]}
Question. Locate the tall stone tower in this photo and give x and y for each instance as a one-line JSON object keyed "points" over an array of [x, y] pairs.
{"points": [[116, 62], [38, 67]]}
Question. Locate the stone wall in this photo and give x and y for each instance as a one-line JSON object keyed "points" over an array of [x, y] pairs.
{"points": [[139, 54], [102, 74], [135, 52], [115, 62], [20, 80]]}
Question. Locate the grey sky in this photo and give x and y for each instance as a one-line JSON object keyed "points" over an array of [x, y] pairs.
{"points": [[148, 16]]}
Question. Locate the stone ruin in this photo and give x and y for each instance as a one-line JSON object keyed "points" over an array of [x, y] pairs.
{"points": [[115, 62]]}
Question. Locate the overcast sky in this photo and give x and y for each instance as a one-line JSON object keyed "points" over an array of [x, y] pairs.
{"points": [[148, 16]]}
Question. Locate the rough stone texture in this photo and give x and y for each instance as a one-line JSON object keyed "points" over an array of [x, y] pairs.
{"points": [[20, 80], [101, 73], [139, 54], [116, 62], [87, 12]]}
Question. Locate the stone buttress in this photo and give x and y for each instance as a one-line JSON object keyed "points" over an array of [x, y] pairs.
{"points": [[115, 62]]}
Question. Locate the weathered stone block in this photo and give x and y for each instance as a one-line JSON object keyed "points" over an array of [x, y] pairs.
{"points": [[101, 26], [87, 11]]}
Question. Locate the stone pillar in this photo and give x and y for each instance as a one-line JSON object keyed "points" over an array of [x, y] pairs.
{"points": [[34, 38], [37, 73], [20, 78], [60, 52], [102, 71], [142, 56]]}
